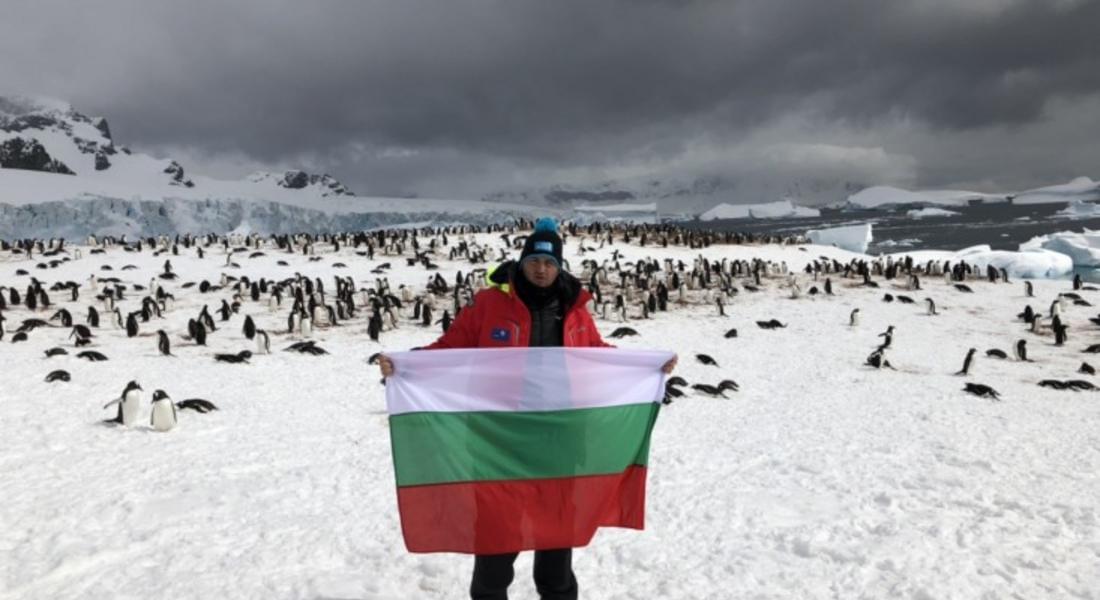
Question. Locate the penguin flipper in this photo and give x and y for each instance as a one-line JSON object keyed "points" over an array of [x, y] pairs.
{"points": [[112, 403]]}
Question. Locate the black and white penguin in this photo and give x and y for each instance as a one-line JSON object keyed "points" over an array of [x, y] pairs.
{"points": [[930, 304], [966, 362], [249, 328], [1059, 329], [163, 416], [888, 337], [1028, 290], [853, 318], [1020, 350], [131, 325], [263, 342], [129, 405], [163, 343], [306, 326]]}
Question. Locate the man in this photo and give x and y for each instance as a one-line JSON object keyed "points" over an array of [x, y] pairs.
{"points": [[529, 303]]}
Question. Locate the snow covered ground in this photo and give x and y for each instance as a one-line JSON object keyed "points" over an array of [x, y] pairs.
{"points": [[821, 478]]}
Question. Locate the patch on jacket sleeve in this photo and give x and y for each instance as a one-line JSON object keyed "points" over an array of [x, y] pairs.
{"points": [[499, 334]]}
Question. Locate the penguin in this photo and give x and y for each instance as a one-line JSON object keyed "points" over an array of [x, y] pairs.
{"points": [[163, 344], [129, 405], [1020, 349], [163, 416], [706, 360], [263, 342], [1028, 290], [931, 305], [853, 318], [877, 359], [249, 327], [306, 326], [966, 362], [1087, 369], [1059, 330]]}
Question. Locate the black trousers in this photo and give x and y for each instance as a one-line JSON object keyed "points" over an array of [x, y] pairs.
{"points": [[554, 578]]}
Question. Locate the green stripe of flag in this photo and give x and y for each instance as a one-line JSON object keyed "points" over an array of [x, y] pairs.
{"points": [[433, 447]]}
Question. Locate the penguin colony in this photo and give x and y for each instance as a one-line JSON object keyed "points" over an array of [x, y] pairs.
{"points": [[84, 319]]}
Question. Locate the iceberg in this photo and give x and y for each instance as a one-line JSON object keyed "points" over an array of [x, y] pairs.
{"points": [[1082, 248], [1079, 209], [855, 238], [770, 210], [1030, 263], [922, 213]]}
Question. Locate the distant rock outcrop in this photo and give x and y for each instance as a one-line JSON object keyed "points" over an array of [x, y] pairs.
{"points": [[325, 185], [20, 153], [176, 171]]}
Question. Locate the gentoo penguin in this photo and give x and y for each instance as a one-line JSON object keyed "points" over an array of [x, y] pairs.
{"points": [[1020, 349], [164, 412], [306, 326], [889, 337], [263, 342], [129, 405], [931, 305], [853, 318], [163, 344], [249, 328], [1028, 290], [966, 362], [1059, 330]]}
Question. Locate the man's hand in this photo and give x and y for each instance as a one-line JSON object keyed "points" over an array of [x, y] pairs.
{"points": [[667, 368], [385, 365]]}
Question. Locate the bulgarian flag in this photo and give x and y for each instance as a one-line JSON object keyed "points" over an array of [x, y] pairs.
{"points": [[509, 449]]}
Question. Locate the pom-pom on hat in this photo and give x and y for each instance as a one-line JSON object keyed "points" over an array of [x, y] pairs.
{"points": [[543, 241]]}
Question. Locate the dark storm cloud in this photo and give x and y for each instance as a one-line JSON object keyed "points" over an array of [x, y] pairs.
{"points": [[539, 84]]}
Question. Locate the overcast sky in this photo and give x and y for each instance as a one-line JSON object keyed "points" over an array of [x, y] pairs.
{"points": [[456, 98]]}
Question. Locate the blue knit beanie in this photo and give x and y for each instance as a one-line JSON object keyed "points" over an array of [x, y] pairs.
{"points": [[543, 241]]}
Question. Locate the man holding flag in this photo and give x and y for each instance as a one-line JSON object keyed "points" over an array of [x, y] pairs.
{"points": [[528, 495]]}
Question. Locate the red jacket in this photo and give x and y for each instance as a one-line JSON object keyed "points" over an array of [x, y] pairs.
{"points": [[499, 319]]}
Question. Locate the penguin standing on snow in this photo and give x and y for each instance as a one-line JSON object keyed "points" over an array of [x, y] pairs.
{"points": [[1028, 290], [164, 412], [853, 318], [263, 342], [163, 344], [931, 305], [966, 362], [129, 405], [1020, 350]]}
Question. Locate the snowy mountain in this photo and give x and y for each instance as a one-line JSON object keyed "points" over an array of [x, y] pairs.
{"points": [[62, 174], [1081, 189]]}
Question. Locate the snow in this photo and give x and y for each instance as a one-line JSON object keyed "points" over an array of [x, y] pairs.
{"points": [[819, 479], [1082, 248], [1080, 189], [922, 213], [881, 196], [770, 210], [855, 238]]}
